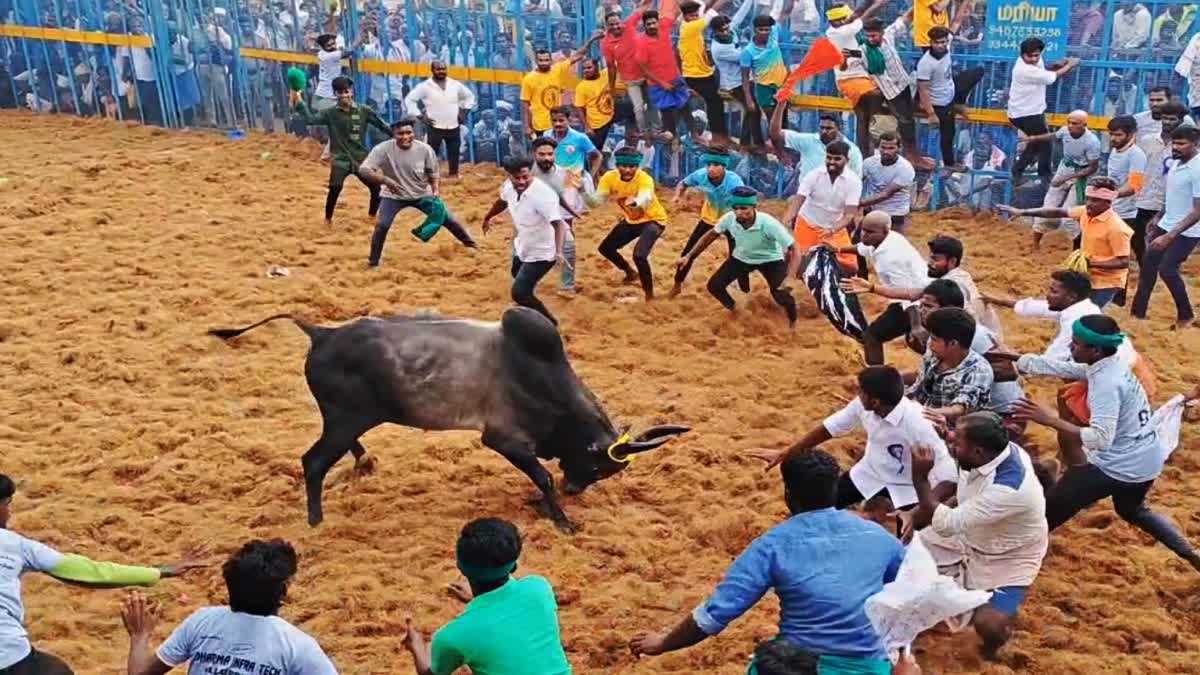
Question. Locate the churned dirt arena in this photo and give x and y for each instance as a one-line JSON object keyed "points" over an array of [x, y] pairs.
{"points": [[134, 436]]}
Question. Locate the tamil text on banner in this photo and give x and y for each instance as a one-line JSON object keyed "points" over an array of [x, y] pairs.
{"points": [[1009, 22]]}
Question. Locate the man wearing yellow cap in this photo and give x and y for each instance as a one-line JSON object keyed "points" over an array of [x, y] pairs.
{"points": [[853, 77]]}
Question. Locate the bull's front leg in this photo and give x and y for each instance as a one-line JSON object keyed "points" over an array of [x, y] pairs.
{"points": [[521, 455]]}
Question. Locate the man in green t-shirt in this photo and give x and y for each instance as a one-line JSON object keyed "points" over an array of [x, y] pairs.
{"points": [[509, 627], [347, 122]]}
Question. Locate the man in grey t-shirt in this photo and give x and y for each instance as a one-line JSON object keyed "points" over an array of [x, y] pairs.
{"points": [[408, 171], [887, 182], [1080, 161]]}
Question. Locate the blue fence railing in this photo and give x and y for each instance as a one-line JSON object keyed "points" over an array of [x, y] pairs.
{"points": [[221, 64]]}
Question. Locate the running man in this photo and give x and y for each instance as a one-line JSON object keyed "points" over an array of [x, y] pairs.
{"points": [[1080, 161], [408, 171], [347, 122], [574, 153], [1118, 453], [717, 183], [825, 204], [19, 555], [1151, 199], [545, 170], [760, 244], [953, 380], [1105, 239], [540, 231], [643, 216]]}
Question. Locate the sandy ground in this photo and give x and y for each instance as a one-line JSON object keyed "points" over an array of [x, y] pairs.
{"points": [[135, 436]]}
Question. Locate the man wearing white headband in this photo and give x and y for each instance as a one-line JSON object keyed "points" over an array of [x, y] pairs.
{"points": [[1106, 238], [1080, 161]]}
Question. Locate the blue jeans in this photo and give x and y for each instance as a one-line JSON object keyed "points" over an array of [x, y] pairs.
{"points": [[388, 209], [1165, 265], [1103, 296]]}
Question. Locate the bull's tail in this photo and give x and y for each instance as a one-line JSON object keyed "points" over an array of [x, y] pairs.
{"points": [[313, 332]]}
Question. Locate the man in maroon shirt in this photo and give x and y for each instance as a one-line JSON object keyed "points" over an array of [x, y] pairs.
{"points": [[666, 89], [619, 49]]}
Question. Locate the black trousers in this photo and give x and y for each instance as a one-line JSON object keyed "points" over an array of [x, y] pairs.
{"points": [[702, 228], [964, 83], [38, 663], [709, 89], [752, 131], [1031, 126], [452, 139], [904, 110], [1139, 223], [337, 179], [1081, 486], [870, 105], [525, 276], [646, 235], [775, 272]]}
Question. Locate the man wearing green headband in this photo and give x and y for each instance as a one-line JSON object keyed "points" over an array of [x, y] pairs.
{"points": [[509, 627], [760, 244], [643, 216], [717, 183], [1119, 454]]}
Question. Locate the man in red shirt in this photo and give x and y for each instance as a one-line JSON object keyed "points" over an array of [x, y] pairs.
{"points": [[666, 89], [619, 49]]}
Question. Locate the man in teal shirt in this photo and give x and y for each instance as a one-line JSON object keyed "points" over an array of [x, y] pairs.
{"points": [[509, 627], [760, 244]]}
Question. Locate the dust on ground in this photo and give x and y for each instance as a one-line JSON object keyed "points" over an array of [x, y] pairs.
{"points": [[135, 436]]}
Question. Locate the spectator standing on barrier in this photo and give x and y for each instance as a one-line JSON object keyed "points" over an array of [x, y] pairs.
{"points": [[822, 562], [540, 231], [249, 631], [943, 94], [1027, 105], [853, 76], [727, 57], [597, 107], [1080, 161], [442, 103], [888, 182], [698, 69], [716, 182], [666, 90], [1173, 237], [808, 149], [894, 82], [763, 69], [1170, 115], [619, 48], [347, 123], [19, 555], [407, 169], [542, 89]]}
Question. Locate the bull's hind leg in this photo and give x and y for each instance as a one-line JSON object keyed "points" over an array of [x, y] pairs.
{"points": [[521, 455], [337, 438]]}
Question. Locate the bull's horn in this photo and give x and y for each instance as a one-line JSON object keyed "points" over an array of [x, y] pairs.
{"points": [[661, 430], [648, 440]]}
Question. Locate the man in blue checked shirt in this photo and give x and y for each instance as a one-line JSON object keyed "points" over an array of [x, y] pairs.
{"points": [[822, 563]]}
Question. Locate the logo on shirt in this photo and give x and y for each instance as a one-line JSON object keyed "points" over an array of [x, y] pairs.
{"points": [[896, 450], [604, 103], [551, 97]]}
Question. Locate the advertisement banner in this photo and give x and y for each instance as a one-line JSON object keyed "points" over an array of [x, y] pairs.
{"points": [[1009, 22]]}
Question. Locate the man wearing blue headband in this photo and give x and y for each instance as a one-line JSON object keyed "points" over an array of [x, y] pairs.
{"points": [[509, 627], [760, 244], [1119, 454], [717, 183]]}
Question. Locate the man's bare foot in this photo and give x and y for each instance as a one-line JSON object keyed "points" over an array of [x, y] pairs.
{"points": [[630, 278], [921, 163], [329, 222], [1183, 324], [675, 291]]}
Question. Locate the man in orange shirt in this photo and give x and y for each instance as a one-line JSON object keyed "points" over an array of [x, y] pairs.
{"points": [[1105, 239]]}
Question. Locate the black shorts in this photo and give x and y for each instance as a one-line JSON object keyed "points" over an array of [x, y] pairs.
{"points": [[892, 324], [38, 663]]}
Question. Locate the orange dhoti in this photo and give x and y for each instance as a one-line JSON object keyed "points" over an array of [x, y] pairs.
{"points": [[809, 235], [1074, 395], [855, 88]]}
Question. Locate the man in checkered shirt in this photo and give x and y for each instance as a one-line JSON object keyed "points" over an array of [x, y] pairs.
{"points": [[952, 380]]}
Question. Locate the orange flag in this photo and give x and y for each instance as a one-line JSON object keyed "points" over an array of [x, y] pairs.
{"points": [[822, 56]]}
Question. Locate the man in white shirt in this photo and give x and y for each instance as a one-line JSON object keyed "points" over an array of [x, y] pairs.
{"points": [[894, 426], [248, 632], [1027, 103], [995, 537], [1165, 116], [854, 81], [443, 103], [896, 263], [1131, 26], [825, 204], [540, 230], [1188, 67], [143, 72]]}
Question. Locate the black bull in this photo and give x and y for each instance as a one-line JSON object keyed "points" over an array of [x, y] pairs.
{"points": [[510, 380]]}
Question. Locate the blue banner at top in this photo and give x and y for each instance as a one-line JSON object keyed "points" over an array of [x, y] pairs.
{"points": [[1009, 22]]}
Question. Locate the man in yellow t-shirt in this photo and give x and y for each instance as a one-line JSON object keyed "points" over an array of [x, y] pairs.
{"points": [[542, 88], [697, 66], [930, 13], [644, 217], [596, 106]]}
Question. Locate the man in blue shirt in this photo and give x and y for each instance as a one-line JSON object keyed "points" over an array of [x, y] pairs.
{"points": [[822, 563], [1173, 238], [717, 183], [1121, 454]]}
